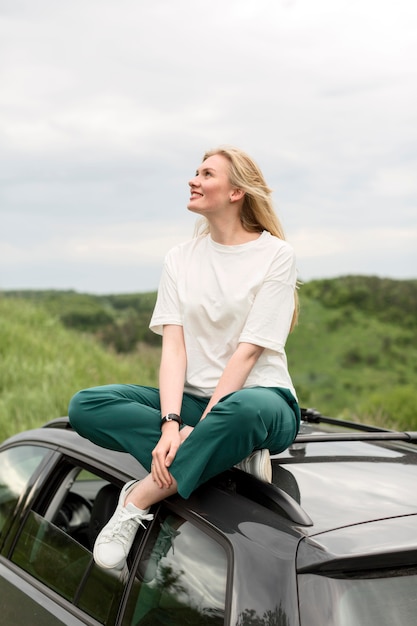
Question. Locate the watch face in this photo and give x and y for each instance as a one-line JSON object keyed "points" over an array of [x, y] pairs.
{"points": [[172, 417]]}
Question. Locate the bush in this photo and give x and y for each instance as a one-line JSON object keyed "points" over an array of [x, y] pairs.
{"points": [[393, 408]]}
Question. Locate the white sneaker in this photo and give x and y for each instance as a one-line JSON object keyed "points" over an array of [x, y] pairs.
{"points": [[115, 539], [258, 464]]}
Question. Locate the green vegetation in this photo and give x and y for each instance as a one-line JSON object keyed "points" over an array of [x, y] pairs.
{"points": [[348, 364], [353, 354], [42, 364], [118, 321]]}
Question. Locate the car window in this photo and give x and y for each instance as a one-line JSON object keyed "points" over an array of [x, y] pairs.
{"points": [[51, 556], [180, 579], [379, 598], [17, 465], [55, 545]]}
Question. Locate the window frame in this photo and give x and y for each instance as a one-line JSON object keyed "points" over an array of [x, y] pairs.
{"points": [[41, 491], [28, 495], [175, 506]]}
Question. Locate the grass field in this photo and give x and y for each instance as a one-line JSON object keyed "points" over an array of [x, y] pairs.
{"points": [[42, 364], [351, 355]]}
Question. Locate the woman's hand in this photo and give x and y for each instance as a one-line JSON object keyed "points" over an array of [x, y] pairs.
{"points": [[164, 453]]}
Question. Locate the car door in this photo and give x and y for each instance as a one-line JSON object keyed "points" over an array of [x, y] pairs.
{"points": [[177, 571], [180, 575], [47, 573]]}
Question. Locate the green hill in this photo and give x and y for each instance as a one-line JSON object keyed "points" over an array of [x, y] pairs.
{"points": [[42, 364], [119, 321], [355, 349], [345, 362], [353, 353]]}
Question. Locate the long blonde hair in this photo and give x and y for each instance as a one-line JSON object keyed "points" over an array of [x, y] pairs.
{"points": [[257, 210]]}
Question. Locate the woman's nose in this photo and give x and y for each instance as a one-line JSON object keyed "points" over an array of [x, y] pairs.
{"points": [[194, 181]]}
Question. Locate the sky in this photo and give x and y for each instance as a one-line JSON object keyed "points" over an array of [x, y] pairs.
{"points": [[107, 107]]}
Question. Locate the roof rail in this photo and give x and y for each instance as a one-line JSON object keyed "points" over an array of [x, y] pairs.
{"points": [[312, 416], [410, 436], [368, 432]]}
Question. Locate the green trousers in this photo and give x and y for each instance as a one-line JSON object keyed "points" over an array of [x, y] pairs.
{"points": [[127, 418]]}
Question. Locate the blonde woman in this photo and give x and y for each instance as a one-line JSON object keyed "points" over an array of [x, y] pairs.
{"points": [[226, 304]]}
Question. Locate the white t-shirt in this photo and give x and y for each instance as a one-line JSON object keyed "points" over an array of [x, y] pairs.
{"points": [[224, 295]]}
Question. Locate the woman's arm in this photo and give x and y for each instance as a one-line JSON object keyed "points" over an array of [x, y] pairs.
{"points": [[235, 373], [172, 369], [171, 387]]}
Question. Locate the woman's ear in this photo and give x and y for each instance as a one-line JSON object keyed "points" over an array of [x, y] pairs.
{"points": [[236, 194]]}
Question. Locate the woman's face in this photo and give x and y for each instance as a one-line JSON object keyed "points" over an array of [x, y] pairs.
{"points": [[210, 188]]}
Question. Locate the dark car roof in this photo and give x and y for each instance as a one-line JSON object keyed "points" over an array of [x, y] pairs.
{"points": [[341, 483], [319, 486]]}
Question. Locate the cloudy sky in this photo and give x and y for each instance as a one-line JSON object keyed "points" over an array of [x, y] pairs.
{"points": [[107, 106]]}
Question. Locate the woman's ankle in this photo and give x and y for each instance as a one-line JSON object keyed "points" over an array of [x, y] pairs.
{"points": [[146, 493]]}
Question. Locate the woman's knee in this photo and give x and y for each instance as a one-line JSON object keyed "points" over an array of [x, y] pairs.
{"points": [[85, 408], [90, 402], [247, 400], [242, 409], [255, 407], [77, 409]]}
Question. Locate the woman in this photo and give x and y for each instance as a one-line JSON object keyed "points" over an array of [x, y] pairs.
{"points": [[226, 303]]}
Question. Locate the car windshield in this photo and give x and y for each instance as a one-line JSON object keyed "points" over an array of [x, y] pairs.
{"points": [[373, 599]]}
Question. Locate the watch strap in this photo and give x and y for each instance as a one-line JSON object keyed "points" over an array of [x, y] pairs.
{"points": [[172, 417]]}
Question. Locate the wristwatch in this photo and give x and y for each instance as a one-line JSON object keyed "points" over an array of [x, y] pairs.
{"points": [[172, 417]]}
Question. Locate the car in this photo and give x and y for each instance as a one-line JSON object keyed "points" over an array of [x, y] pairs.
{"points": [[331, 542]]}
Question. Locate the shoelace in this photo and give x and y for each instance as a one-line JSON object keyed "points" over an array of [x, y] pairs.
{"points": [[126, 524]]}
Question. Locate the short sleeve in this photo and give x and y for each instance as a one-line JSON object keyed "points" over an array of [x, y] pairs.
{"points": [[167, 308], [269, 321]]}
